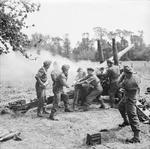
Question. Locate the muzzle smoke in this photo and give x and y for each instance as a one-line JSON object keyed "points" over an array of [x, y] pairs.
{"points": [[14, 67]]}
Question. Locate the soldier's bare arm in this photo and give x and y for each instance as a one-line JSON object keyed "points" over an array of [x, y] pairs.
{"points": [[53, 76], [63, 81], [84, 79]]}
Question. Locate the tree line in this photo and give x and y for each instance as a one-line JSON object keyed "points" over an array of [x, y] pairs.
{"points": [[86, 48], [13, 14]]}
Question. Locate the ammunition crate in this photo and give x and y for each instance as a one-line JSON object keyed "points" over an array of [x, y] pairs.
{"points": [[93, 139]]}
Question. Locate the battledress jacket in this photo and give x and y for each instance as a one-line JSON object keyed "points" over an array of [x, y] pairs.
{"points": [[131, 86], [60, 82], [94, 81], [113, 74], [42, 74], [54, 75]]}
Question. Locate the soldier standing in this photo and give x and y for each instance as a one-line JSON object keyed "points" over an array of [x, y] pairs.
{"points": [[96, 88], [112, 74], [41, 83], [128, 105], [60, 82], [55, 72], [104, 80], [101, 75]]}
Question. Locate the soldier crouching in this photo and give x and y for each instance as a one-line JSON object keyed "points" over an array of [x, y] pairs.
{"points": [[96, 88], [128, 105], [60, 82], [41, 83]]}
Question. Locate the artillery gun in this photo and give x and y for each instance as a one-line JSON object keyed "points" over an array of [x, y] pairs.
{"points": [[24, 106]]}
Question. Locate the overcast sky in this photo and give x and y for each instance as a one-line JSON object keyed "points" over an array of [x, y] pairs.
{"points": [[57, 17]]}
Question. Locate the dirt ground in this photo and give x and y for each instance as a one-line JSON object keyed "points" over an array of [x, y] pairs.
{"points": [[71, 129]]}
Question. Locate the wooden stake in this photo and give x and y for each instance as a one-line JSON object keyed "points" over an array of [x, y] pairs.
{"points": [[115, 52], [100, 51]]}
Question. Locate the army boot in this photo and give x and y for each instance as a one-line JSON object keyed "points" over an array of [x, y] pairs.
{"points": [[85, 108], [125, 123], [113, 105], [66, 103], [135, 139], [68, 110], [51, 116], [44, 111], [39, 112], [102, 104], [75, 108]]}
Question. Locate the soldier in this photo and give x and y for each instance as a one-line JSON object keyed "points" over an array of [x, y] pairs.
{"points": [[128, 104], [41, 83], [55, 72], [95, 85], [101, 74], [78, 94], [112, 74], [81, 74], [104, 80], [60, 82]]}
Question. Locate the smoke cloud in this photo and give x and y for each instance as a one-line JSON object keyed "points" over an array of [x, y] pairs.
{"points": [[14, 67]]}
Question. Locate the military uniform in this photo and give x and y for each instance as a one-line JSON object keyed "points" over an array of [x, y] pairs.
{"points": [[113, 75], [54, 75], [102, 77], [127, 106], [40, 90], [96, 90], [78, 94], [59, 82], [104, 82]]}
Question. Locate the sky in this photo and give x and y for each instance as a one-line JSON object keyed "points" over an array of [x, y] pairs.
{"points": [[58, 17]]}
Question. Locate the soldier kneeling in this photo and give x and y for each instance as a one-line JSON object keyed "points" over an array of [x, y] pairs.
{"points": [[96, 88]]}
